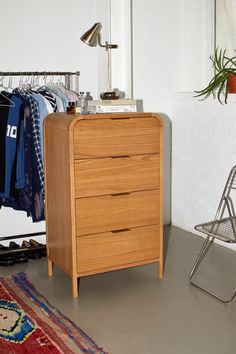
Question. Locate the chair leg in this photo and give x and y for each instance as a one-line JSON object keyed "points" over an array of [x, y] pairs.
{"points": [[205, 247]]}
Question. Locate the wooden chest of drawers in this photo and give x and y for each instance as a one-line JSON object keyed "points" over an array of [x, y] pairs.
{"points": [[103, 183]]}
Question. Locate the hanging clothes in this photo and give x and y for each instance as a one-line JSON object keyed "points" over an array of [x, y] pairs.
{"points": [[10, 126], [23, 189], [57, 91], [49, 97], [22, 113]]}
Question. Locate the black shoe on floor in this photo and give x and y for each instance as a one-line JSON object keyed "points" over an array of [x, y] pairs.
{"points": [[30, 254], [20, 258], [6, 261], [35, 243], [3, 248], [13, 245]]}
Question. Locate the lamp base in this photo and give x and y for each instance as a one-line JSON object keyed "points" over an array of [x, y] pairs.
{"points": [[112, 94]]}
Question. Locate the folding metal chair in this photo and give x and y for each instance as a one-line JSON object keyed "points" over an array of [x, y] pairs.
{"points": [[222, 228]]}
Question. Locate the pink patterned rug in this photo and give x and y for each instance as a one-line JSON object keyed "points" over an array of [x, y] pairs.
{"points": [[30, 325]]}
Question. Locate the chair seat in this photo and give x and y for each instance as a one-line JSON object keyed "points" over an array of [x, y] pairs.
{"points": [[223, 229]]}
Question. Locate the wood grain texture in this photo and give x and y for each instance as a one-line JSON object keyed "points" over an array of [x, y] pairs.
{"points": [[161, 241], [60, 219], [113, 250], [116, 137], [103, 180], [115, 175], [107, 213]]}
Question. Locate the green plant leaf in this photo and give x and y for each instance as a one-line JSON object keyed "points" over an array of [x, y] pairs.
{"points": [[221, 88], [223, 66]]}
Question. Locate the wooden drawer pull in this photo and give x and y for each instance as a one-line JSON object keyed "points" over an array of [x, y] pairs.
{"points": [[118, 194], [119, 157], [120, 230], [123, 118]]}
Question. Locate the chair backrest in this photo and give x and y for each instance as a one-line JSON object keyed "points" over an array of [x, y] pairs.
{"points": [[231, 183], [228, 195]]}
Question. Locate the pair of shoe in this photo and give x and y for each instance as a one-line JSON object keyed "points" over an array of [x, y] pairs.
{"points": [[42, 248], [7, 259], [33, 245]]}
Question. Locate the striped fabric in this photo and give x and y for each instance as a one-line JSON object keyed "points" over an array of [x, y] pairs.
{"points": [[50, 98]]}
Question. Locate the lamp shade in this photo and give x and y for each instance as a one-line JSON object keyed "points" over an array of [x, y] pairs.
{"points": [[91, 37]]}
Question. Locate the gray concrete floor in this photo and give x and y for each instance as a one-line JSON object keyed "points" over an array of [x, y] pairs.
{"points": [[131, 312]]}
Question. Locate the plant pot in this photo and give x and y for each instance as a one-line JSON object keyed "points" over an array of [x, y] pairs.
{"points": [[231, 83]]}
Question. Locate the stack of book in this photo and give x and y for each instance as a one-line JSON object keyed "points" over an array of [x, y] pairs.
{"points": [[115, 106]]}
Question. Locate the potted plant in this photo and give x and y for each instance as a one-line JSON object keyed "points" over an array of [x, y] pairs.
{"points": [[223, 80]]}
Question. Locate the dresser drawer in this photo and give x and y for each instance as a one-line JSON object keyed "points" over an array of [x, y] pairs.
{"points": [[116, 137], [115, 175], [107, 251], [114, 212]]}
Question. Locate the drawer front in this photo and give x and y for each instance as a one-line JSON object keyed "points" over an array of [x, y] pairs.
{"points": [[116, 137], [115, 175], [114, 212], [113, 250]]}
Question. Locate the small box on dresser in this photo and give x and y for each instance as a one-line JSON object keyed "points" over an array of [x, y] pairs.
{"points": [[103, 187]]}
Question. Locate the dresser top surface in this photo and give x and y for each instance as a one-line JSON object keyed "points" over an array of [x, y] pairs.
{"points": [[68, 121]]}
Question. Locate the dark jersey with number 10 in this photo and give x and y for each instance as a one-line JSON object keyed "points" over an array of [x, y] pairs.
{"points": [[10, 143]]}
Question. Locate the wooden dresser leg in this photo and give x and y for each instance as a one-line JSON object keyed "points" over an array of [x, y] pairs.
{"points": [[75, 286], [50, 267], [160, 270]]}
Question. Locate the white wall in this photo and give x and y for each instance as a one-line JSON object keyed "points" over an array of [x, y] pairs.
{"points": [[121, 35], [204, 150], [225, 26], [172, 41], [115, 17], [45, 35], [103, 14]]}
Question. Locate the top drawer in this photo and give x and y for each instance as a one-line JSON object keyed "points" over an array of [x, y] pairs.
{"points": [[116, 137]]}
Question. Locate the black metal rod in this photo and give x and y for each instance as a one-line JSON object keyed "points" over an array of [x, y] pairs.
{"points": [[28, 73], [22, 249], [22, 235]]}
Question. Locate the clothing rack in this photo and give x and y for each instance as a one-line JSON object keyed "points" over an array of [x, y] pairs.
{"points": [[70, 79], [69, 76]]}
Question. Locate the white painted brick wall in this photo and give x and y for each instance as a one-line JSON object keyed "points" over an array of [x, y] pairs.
{"points": [[203, 152]]}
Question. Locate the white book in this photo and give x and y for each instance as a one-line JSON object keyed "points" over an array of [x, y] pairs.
{"points": [[110, 106]]}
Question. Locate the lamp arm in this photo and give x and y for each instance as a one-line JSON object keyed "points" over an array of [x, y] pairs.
{"points": [[106, 45], [108, 48]]}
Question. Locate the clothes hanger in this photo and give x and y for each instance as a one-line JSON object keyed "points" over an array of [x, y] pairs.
{"points": [[51, 82], [35, 83], [27, 85], [4, 100], [60, 82], [44, 84]]}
